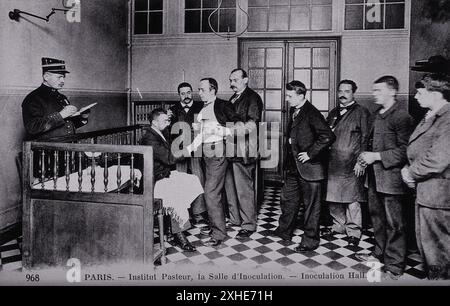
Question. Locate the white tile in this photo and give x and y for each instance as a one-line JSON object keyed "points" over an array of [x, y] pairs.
{"points": [[10, 253]]}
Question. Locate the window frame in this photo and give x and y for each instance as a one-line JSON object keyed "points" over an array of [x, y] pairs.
{"points": [[163, 15], [201, 9]]}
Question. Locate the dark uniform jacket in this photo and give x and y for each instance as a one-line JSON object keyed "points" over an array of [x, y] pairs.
{"points": [[41, 118], [309, 133], [390, 132], [429, 159], [352, 134], [248, 107]]}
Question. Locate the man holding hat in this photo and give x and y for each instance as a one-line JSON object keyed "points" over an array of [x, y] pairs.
{"points": [[46, 112]]}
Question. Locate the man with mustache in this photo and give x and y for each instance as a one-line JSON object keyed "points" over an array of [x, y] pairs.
{"points": [[239, 184], [46, 112], [345, 188], [186, 111]]}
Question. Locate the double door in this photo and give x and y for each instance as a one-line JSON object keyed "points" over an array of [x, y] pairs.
{"points": [[273, 63]]}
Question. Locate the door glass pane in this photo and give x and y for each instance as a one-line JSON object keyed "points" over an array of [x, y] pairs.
{"points": [[256, 78], [321, 79], [321, 57], [395, 16], [304, 76], [256, 58], [278, 18], [155, 25], [205, 23], [274, 78], [299, 18], [302, 57], [257, 2], [321, 1], [156, 4], [299, 2], [258, 16], [273, 99], [260, 92], [374, 16], [320, 99], [274, 57], [321, 18], [192, 4]]}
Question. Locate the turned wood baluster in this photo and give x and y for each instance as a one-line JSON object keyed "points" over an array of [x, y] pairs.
{"points": [[105, 173], [80, 173], [119, 173], [92, 172], [72, 161], [132, 174], [67, 169], [55, 169], [42, 159]]}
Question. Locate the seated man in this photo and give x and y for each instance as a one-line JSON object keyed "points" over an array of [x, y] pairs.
{"points": [[177, 190]]}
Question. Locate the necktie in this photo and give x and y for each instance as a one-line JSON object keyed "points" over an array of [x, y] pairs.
{"points": [[295, 114], [235, 98]]}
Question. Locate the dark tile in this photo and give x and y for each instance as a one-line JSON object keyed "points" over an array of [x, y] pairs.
{"points": [[264, 240], [285, 261], [330, 246], [6, 260], [285, 251], [416, 273], [335, 265], [213, 255], [9, 247], [260, 259], [262, 249], [310, 263], [237, 257], [185, 261], [240, 247], [361, 268]]}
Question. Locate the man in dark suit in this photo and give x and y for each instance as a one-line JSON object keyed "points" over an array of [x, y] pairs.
{"points": [[163, 162], [241, 175], [186, 111], [214, 117], [45, 111], [308, 138], [390, 130]]}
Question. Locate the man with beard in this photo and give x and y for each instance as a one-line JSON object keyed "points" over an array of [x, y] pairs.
{"points": [[186, 111], [345, 188], [240, 179]]}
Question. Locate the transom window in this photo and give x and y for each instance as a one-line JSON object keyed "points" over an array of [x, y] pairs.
{"points": [[197, 12], [374, 14], [289, 15], [148, 16]]}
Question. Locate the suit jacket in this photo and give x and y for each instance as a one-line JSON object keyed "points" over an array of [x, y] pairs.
{"points": [[41, 118], [429, 159], [309, 133], [249, 107], [390, 132], [352, 134], [225, 112], [163, 160], [179, 115]]}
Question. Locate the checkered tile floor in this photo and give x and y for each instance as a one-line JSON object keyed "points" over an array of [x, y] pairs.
{"points": [[260, 250]]}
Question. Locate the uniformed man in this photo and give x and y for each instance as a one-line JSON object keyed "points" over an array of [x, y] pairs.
{"points": [[46, 112]]}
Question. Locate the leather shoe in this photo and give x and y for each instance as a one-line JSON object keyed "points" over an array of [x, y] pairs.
{"points": [[213, 242], [279, 235], [303, 249], [243, 233], [182, 242], [363, 257], [199, 220], [206, 230], [353, 241]]}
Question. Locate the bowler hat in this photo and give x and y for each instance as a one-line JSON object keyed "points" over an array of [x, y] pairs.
{"points": [[435, 64], [53, 65]]}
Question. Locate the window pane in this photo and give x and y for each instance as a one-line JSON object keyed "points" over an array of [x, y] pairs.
{"points": [[321, 79], [228, 3], [205, 23], [258, 17], [257, 3], [140, 23], [374, 16], [299, 2], [274, 57], [192, 4], [304, 76], [321, 18], [320, 99], [354, 17], [256, 58], [278, 18], [321, 2], [353, 1], [321, 57], [274, 78], [273, 99], [302, 57], [395, 16], [156, 5], [260, 92], [299, 18], [227, 20], [256, 78], [141, 5], [192, 21], [210, 3], [155, 23]]}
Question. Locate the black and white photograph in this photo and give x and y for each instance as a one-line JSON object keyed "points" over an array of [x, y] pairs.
{"points": [[214, 143]]}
